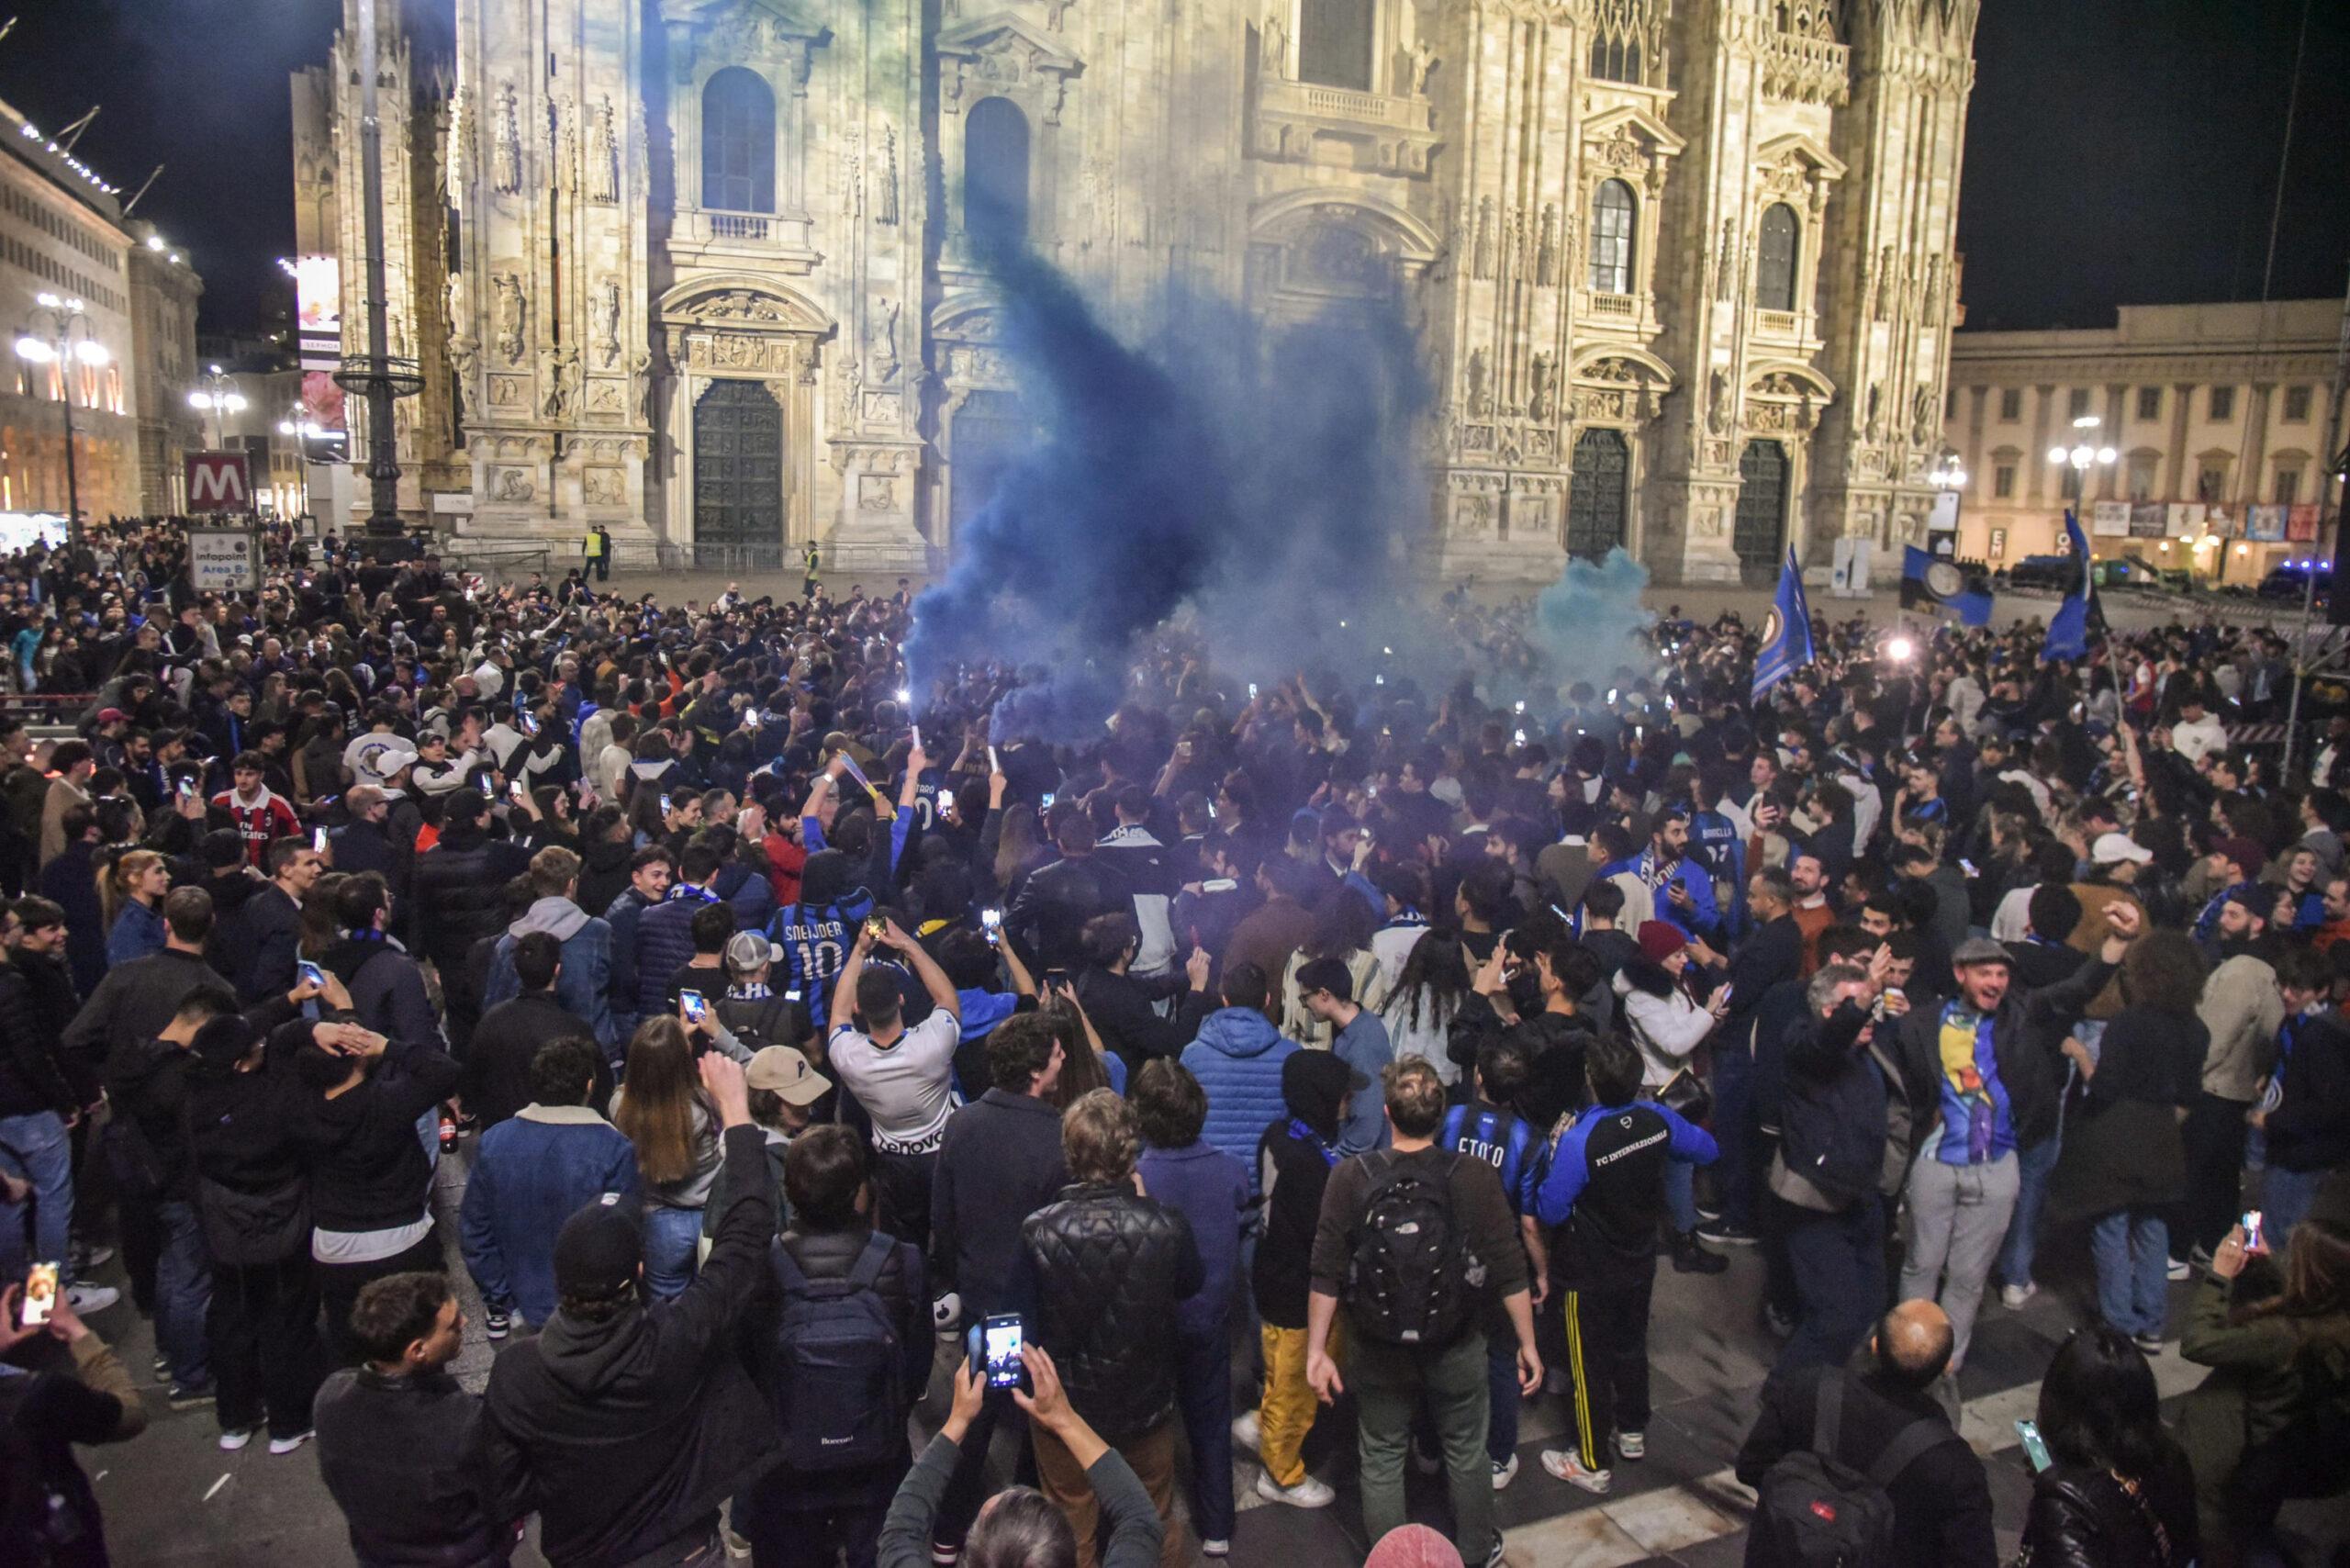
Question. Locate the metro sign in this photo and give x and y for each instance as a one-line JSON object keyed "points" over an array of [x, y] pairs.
{"points": [[219, 481]]}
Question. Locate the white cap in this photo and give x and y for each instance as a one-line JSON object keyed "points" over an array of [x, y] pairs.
{"points": [[2112, 848]]}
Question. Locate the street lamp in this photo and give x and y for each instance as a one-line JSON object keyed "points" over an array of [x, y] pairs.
{"points": [[2077, 459], [1949, 473], [218, 397], [60, 332]]}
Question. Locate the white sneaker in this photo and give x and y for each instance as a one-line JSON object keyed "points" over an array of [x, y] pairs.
{"points": [[1245, 1432], [1505, 1473], [87, 1299], [2013, 1297], [288, 1445], [1632, 1447], [1215, 1548], [1567, 1466], [2176, 1270], [231, 1441], [1307, 1493]]}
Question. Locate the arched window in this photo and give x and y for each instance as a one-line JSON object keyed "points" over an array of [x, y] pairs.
{"points": [[1615, 58], [995, 171], [738, 143], [1611, 238], [1333, 43], [1774, 276]]}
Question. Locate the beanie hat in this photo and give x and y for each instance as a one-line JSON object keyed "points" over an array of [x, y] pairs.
{"points": [[1659, 940], [2245, 852], [598, 1249], [1413, 1546]]}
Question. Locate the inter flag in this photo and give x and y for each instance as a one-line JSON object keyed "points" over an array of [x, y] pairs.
{"points": [[2068, 629], [1786, 635], [1930, 583]]}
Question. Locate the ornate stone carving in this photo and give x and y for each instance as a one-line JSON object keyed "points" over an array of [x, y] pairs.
{"points": [[1481, 383], [512, 485], [601, 486], [1541, 390], [464, 359], [512, 312], [1481, 264], [886, 206], [1933, 300], [604, 183], [1925, 415], [1721, 409], [639, 382], [1272, 44], [506, 392], [1546, 249], [563, 150], [562, 370], [604, 311], [885, 348], [1872, 422], [1726, 261], [1883, 280], [505, 158], [1417, 64]]}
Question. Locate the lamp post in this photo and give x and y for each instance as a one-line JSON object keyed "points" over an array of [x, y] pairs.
{"points": [[2084, 453], [218, 397], [61, 333]]}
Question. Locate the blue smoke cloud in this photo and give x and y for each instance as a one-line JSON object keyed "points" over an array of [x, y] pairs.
{"points": [[1588, 621]]}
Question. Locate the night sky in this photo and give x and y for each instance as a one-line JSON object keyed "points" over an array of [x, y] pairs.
{"points": [[2118, 151]]}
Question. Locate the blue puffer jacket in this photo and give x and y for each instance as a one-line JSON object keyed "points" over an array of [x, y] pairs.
{"points": [[664, 941], [1237, 1060], [750, 892]]}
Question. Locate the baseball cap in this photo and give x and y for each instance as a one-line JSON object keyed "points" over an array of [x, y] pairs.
{"points": [[598, 1249], [749, 950], [111, 716], [784, 1071], [2112, 848], [1979, 950]]}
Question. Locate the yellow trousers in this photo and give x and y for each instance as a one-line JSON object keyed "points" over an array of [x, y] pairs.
{"points": [[1286, 1414]]}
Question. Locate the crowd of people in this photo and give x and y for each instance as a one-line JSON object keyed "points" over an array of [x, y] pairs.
{"points": [[809, 1037]]}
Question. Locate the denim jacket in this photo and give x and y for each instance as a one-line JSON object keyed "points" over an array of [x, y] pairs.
{"points": [[534, 1172]]}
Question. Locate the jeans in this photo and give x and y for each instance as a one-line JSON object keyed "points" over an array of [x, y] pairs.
{"points": [[1203, 1393], [1734, 1130], [182, 1294], [1680, 1195], [1391, 1382], [1958, 1215], [1838, 1260], [2132, 1247], [2214, 1133], [36, 1148], [1500, 1399], [672, 1238], [2033, 1166], [2285, 1198]]}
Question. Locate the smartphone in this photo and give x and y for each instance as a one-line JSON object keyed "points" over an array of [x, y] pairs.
{"points": [[187, 788], [1252, 691], [2035, 1448], [530, 725], [665, 805], [520, 790], [1048, 800], [993, 766], [310, 973], [2254, 1241], [877, 927], [40, 1295], [1000, 1351], [992, 924], [318, 840], [488, 788], [915, 730], [695, 1006]]}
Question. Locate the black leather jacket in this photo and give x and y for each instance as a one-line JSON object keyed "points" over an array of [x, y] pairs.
{"points": [[2082, 1518], [1106, 1266], [1054, 905]]}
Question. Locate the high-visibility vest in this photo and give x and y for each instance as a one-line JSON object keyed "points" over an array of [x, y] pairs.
{"points": [[595, 545]]}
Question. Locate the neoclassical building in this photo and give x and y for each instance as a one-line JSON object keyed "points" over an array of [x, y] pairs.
{"points": [[1684, 269]]}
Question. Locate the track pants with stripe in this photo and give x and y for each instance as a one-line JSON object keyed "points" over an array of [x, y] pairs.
{"points": [[1608, 1355]]}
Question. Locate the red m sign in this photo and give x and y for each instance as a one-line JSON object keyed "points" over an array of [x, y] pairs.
{"points": [[218, 481]]}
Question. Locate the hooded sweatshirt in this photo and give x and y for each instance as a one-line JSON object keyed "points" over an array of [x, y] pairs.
{"points": [[1293, 1159], [585, 982], [1237, 1060]]}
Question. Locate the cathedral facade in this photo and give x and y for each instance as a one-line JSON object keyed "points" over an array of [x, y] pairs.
{"points": [[1683, 269]]}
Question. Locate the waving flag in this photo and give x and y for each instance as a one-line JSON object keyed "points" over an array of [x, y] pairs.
{"points": [[1930, 583], [1787, 636], [2068, 629]]}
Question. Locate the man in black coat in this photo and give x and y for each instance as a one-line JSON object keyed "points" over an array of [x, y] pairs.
{"points": [[625, 1428], [137, 1000], [1772, 952], [507, 1040], [269, 929], [460, 894], [1941, 1501], [1047, 920], [364, 843]]}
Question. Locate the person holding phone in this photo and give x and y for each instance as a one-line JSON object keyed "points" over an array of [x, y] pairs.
{"points": [[2116, 1491], [903, 1077], [48, 1412]]}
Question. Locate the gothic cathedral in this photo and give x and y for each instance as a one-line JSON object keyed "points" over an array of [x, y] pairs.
{"points": [[697, 270]]}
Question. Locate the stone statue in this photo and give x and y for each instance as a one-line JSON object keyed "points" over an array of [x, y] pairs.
{"points": [[1541, 402], [1546, 250], [640, 380], [1922, 419], [886, 210], [1885, 284], [1726, 261], [1719, 407], [1480, 391], [564, 131], [1873, 426], [1423, 61], [1272, 41], [465, 357], [561, 366], [607, 308], [1481, 260], [606, 184], [510, 317], [506, 157], [885, 359]]}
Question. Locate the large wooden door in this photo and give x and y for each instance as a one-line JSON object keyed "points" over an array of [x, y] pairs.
{"points": [[738, 465], [1761, 533], [1596, 503]]}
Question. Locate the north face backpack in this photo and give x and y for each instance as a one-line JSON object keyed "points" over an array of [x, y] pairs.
{"points": [[838, 1392], [1405, 1278], [1815, 1511]]}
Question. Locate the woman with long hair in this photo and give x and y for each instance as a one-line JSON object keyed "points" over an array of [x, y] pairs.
{"points": [[1419, 1013], [2269, 1422], [664, 1111], [2124, 1161], [131, 891], [1018, 847], [2118, 1493]]}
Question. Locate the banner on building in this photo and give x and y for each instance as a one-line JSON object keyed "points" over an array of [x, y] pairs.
{"points": [[219, 481], [2265, 524], [223, 560], [2300, 523], [2183, 520], [2146, 519], [2220, 520], [2111, 520]]}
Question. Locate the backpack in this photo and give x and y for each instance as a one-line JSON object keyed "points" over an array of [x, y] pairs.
{"points": [[1815, 1511], [1405, 1279], [838, 1395]]}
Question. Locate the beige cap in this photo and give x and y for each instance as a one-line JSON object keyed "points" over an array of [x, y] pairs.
{"points": [[784, 1071]]}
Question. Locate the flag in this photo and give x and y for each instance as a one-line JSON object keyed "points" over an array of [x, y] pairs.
{"points": [[1930, 583], [2068, 629], [1786, 635]]}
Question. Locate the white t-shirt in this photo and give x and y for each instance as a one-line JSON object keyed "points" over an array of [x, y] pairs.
{"points": [[907, 1088]]}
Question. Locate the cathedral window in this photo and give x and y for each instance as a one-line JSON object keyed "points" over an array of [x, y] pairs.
{"points": [[1611, 238], [738, 143], [1333, 43], [1774, 276], [1615, 57], [995, 171]]}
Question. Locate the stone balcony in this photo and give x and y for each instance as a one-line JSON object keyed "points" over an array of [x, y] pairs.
{"points": [[1806, 70], [780, 239], [1303, 122]]}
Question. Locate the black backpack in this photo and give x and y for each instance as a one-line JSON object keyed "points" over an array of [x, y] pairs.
{"points": [[1815, 1511], [1405, 1279], [839, 1394]]}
